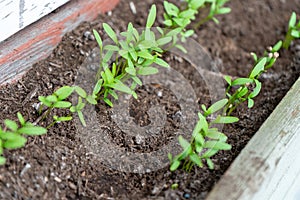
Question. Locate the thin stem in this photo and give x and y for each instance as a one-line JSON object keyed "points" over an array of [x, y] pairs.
{"points": [[201, 22]]}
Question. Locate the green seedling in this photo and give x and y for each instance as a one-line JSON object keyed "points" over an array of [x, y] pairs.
{"points": [[248, 88], [58, 100], [135, 54], [206, 141], [216, 8], [293, 31], [11, 137]]}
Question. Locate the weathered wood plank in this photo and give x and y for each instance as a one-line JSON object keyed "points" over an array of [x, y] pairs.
{"points": [[269, 166], [17, 14], [36, 41]]}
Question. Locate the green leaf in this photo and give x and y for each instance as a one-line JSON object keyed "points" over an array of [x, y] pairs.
{"points": [[174, 32], [81, 118], [217, 106], [109, 75], [107, 57], [11, 124], [151, 16], [293, 20], [175, 164], [118, 85], [63, 119], [113, 94], [228, 80], [81, 92], [196, 4], [256, 90], [195, 158], [223, 11], [259, 67], [111, 48], [62, 104], [110, 32], [202, 122], [32, 130], [183, 143], [108, 102], [145, 54], [199, 138], [217, 145], [180, 47], [146, 44], [161, 62], [215, 134], [171, 9], [91, 100], [130, 70], [2, 160], [44, 101], [210, 164], [133, 54], [17, 142], [164, 40], [250, 103], [189, 33], [209, 153], [98, 39], [225, 120], [51, 98], [137, 80], [254, 56], [242, 92], [168, 22], [21, 119], [80, 105], [147, 71], [64, 92], [73, 109], [98, 86], [277, 46], [241, 81], [295, 33]]}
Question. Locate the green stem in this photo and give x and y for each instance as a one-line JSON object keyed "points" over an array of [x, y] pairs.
{"points": [[288, 39]]}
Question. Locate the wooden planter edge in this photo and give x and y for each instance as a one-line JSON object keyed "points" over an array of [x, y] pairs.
{"points": [[269, 166], [37, 41]]}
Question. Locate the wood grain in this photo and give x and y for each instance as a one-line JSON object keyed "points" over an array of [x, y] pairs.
{"points": [[36, 41], [268, 167], [17, 14]]}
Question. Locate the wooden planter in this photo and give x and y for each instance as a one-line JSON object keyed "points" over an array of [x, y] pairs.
{"points": [[267, 168], [35, 42]]}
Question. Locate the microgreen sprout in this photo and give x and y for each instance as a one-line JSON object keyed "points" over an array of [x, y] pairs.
{"points": [[293, 31], [216, 8], [206, 140], [11, 137]]}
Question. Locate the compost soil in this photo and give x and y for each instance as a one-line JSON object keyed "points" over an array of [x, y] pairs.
{"points": [[58, 166]]}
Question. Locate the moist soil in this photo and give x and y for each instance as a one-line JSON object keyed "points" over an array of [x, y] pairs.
{"points": [[59, 166]]}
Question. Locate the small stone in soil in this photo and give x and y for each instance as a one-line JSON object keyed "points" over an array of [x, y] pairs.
{"points": [[159, 94], [132, 7], [186, 195], [57, 179], [27, 166]]}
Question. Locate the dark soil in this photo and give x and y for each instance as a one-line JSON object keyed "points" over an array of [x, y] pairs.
{"points": [[58, 165]]}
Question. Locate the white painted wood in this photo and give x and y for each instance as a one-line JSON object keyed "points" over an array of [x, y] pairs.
{"points": [[268, 168], [17, 14]]}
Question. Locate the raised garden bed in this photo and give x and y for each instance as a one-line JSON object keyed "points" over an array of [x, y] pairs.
{"points": [[59, 165]]}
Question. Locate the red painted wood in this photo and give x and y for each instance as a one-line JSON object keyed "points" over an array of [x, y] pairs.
{"points": [[36, 42]]}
